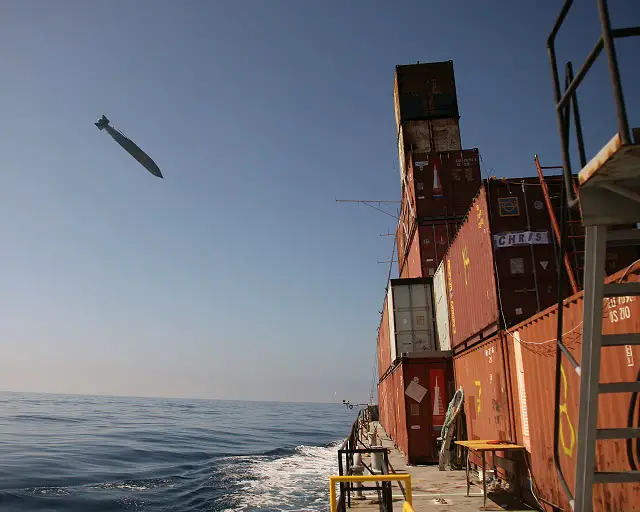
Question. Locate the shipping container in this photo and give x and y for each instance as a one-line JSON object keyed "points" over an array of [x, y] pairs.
{"points": [[532, 358], [501, 267], [426, 137], [483, 374], [413, 400], [411, 317], [384, 347], [429, 244], [444, 184], [440, 303], [425, 91]]}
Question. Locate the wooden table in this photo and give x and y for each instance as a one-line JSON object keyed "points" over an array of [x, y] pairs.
{"points": [[483, 446]]}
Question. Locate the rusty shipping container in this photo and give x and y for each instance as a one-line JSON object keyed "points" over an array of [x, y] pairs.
{"points": [[425, 91], [484, 375], [501, 267], [531, 351], [413, 401], [429, 244], [444, 184], [426, 137]]}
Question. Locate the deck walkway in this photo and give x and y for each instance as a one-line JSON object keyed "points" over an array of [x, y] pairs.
{"points": [[433, 490]]}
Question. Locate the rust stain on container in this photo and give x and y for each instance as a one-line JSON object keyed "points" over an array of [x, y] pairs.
{"points": [[425, 91], [444, 184], [413, 401], [531, 350]]}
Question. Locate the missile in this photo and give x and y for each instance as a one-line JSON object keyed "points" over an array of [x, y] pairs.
{"points": [[131, 147]]}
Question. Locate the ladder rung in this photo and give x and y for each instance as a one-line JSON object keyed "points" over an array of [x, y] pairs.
{"points": [[612, 477], [623, 237], [618, 340], [621, 289], [617, 433], [619, 387]]}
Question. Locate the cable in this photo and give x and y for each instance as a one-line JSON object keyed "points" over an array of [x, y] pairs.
{"points": [[381, 210]]}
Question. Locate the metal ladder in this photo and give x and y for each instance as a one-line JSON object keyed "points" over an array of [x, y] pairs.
{"points": [[609, 195]]}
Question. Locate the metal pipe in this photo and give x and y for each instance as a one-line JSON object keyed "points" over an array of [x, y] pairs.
{"points": [[584, 69], [576, 119], [563, 14], [614, 72], [533, 257]]}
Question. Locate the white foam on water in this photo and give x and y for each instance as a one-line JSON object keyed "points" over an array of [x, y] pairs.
{"points": [[299, 481]]}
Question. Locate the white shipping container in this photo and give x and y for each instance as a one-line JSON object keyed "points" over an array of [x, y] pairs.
{"points": [[441, 304], [411, 319]]}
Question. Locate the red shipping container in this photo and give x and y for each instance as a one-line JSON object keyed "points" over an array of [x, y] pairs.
{"points": [[435, 239], [413, 401], [425, 91], [429, 244], [443, 185], [504, 255], [532, 359]]}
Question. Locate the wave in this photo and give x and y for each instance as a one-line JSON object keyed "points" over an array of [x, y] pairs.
{"points": [[297, 481]]}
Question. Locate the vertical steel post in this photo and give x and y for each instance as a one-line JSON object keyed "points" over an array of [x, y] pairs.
{"points": [[595, 254]]}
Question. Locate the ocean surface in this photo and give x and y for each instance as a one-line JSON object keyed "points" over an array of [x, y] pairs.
{"points": [[98, 454]]}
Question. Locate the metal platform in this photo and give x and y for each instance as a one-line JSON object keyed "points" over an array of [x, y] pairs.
{"points": [[610, 185]]}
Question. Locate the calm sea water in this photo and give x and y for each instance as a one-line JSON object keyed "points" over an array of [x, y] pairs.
{"points": [[90, 453]]}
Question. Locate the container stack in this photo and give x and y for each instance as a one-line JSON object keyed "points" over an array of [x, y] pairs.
{"points": [[476, 306], [438, 179]]}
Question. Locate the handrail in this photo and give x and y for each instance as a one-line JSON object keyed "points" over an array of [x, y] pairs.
{"points": [[396, 477]]}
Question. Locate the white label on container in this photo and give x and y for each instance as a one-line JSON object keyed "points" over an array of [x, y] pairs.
{"points": [[521, 238], [415, 391], [518, 311], [538, 205], [415, 427], [544, 264]]}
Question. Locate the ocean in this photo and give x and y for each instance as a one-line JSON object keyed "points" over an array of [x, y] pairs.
{"points": [[98, 454]]}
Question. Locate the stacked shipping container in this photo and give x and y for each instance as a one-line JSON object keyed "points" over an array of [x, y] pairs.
{"points": [[414, 396], [438, 178], [508, 396]]}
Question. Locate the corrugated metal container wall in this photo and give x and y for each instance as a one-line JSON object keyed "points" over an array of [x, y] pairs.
{"points": [[427, 137], [412, 327], [441, 304], [412, 266], [532, 356], [425, 91], [435, 239], [473, 302], [483, 374], [384, 353], [444, 183], [387, 406]]}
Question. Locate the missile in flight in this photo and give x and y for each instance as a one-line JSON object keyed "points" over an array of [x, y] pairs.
{"points": [[131, 147]]}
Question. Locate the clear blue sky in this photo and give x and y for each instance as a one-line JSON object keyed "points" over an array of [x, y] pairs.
{"points": [[238, 276]]}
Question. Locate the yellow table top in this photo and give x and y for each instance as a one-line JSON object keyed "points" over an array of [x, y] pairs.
{"points": [[484, 446]]}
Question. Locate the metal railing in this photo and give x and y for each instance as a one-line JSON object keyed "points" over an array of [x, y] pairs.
{"points": [[564, 103], [355, 444], [397, 477]]}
